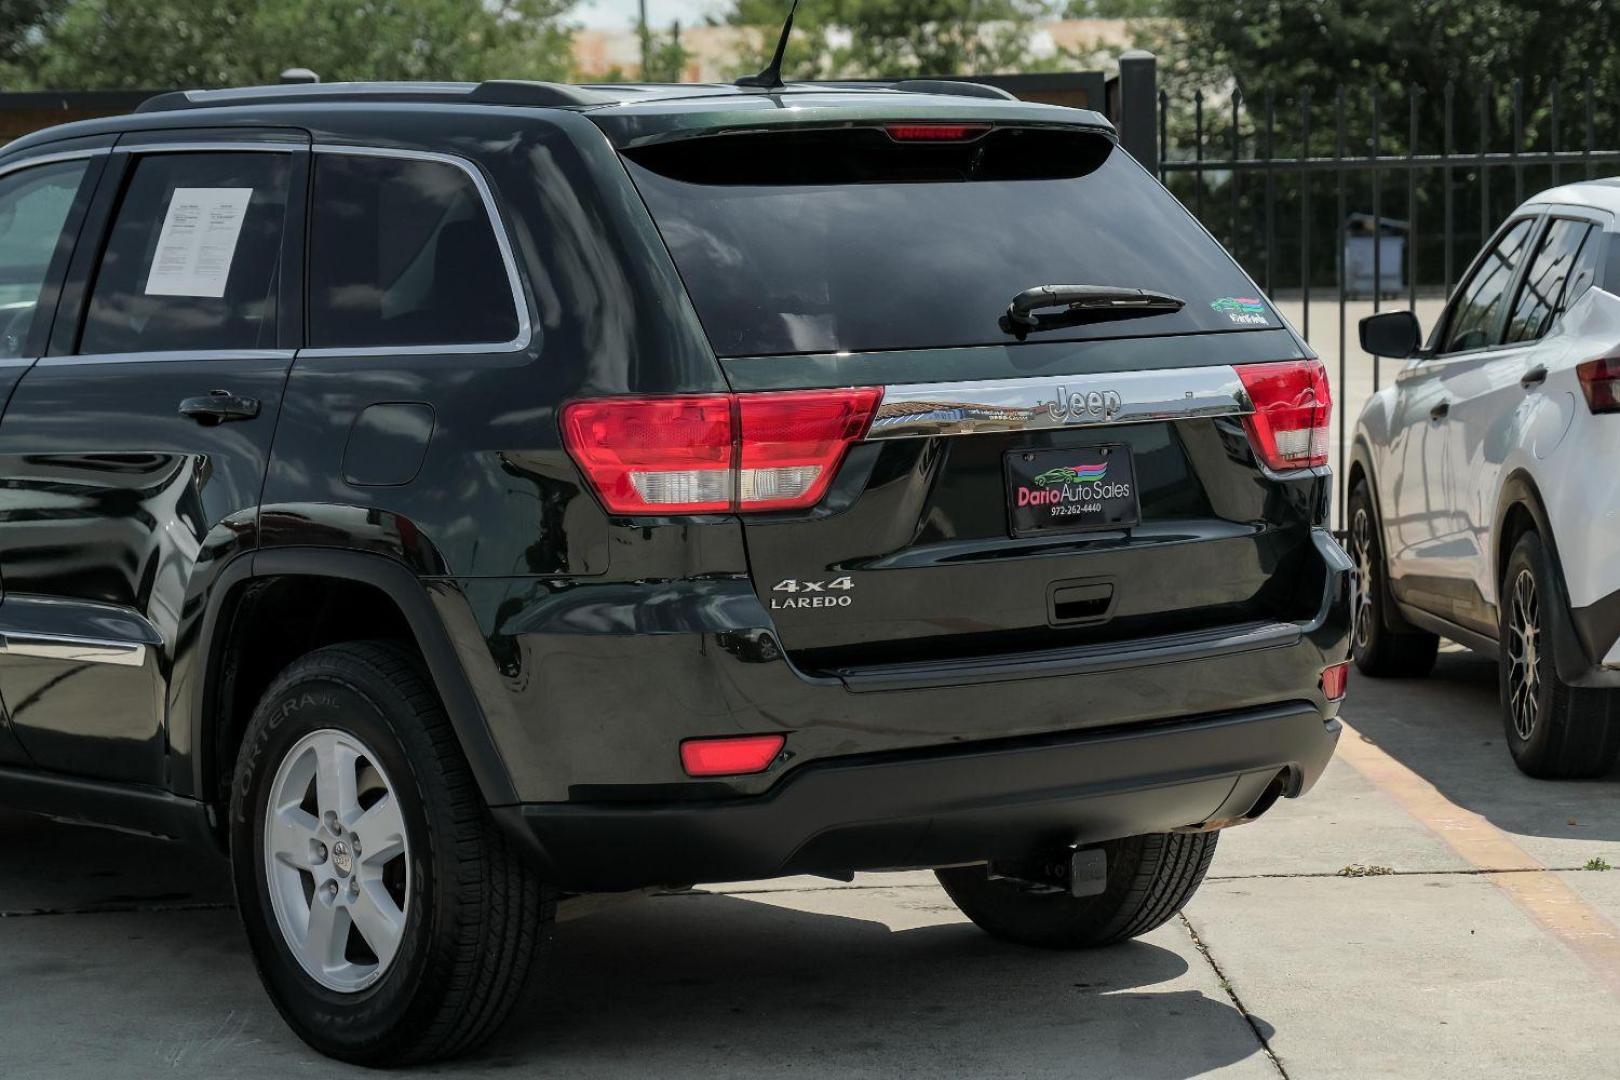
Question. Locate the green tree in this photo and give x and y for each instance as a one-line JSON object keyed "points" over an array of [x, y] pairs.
{"points": [[666, 56], [899, 38], [20, 21], [1394, 59], [1115, 9], [1284, 47], [94, 44]]}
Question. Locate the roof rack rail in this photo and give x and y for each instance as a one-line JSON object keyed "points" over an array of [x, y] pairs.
{"points": [[493, 92], [953, 86], [525, 92]]}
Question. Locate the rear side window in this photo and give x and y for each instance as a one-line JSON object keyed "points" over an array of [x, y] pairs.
{"points": [[403, 253], [34, 205], [193, 260], [1542, 294], [1585, 271], [1479, 306], [853, 240]]}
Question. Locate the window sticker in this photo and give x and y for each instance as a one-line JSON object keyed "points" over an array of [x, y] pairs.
{"points": [[198, 241], [1244, 310]]}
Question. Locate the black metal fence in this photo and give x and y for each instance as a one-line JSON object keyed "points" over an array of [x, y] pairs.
{"points": [[1293, 186]]}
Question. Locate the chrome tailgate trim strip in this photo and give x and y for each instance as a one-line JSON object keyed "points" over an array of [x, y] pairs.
{"points": [[917, 410]]}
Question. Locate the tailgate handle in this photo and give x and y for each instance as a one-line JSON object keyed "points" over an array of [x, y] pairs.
{"points": [[1080, 601]]}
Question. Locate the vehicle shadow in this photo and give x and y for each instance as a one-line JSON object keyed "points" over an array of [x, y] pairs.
{"points": [[884, 981], [700, 984], [1448, 729], [716, 985], [50, 866]]}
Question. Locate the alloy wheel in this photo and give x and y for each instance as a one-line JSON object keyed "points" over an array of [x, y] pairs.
{"points": [[337, 861], [1524, 655], [1361, 550]]}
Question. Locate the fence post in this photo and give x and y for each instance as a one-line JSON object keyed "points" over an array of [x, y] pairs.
{"points": [[1138, 107]]}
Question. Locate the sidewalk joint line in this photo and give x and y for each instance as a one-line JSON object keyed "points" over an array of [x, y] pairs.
{"points": [[1231, 993], [1467, 871]]}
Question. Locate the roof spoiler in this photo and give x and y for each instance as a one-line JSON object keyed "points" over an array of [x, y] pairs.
{"points": [[952, 87]]}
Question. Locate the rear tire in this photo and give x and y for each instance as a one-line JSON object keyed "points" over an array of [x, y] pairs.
{"points": [[426, 936], [1379, 651], [1554, 730], [1150, 879]]}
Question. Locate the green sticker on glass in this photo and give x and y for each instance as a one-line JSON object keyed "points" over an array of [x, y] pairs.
{"points": [[1246, 310]]}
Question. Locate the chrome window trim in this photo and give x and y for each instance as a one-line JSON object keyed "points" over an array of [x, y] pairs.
{"points": [[18, 165], [213, 147], [72, 648], [502, 241], [166, 356], [1034, 404], [21, 163]]}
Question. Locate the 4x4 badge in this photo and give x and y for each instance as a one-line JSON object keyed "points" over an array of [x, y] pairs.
{"points": [[795, 585], [1088, 405]]}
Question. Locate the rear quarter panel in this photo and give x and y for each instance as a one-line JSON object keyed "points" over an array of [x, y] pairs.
{"points": [[1571, 454]]}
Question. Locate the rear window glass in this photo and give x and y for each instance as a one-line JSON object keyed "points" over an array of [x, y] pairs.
{"points": [[848, 240]]}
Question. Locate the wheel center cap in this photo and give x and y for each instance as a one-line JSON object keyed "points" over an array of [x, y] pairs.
{"points": [[341, 859]]}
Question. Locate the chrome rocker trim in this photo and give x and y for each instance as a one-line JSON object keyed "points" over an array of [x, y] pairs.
{"points": [[73, 649]]}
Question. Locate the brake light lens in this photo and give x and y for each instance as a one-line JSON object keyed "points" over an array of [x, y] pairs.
{"points": [[717, 453], [1334, 680], [1600, 382], [793, 443], [1292, 404], [935, 132], [654, 455], [730, 756]]}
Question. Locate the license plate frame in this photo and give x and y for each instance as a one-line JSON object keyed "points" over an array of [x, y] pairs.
{"points": [[1099, 491]]}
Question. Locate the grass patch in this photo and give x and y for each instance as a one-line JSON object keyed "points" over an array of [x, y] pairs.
{"points": [[1597, 862], [1358, 870]]}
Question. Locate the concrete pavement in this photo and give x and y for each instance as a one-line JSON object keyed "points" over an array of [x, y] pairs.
{"points": [[120, 957]]}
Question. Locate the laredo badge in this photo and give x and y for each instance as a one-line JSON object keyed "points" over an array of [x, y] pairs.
{"points": [[1246, 310], [826, 599]]}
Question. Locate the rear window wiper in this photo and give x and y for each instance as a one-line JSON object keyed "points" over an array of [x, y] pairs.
{"points": [[1082, 303]]}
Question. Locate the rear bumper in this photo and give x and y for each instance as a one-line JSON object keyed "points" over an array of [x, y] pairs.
{"points": [[943, 806], [593, 687]]}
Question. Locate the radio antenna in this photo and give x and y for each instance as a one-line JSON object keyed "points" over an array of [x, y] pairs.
{"points": [[771, 77]]}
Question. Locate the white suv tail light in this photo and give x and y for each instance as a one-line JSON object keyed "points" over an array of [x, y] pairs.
{"points": [[1600, 382]]}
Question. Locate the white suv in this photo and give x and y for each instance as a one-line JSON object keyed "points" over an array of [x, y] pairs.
{"points": [[1484, 489]]}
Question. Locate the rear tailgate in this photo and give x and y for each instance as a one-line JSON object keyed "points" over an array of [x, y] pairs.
{"points": [[919, 552], [1092, 480]]}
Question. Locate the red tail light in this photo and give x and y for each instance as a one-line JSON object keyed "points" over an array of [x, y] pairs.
{"points": [[1600, 382], [716, 453], [730, 756], [655, 455], [793, 443], [1334, 679], [1292, 403], [935, 132]]}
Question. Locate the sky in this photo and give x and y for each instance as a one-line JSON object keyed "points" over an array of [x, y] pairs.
{"points": [[618, 14]]}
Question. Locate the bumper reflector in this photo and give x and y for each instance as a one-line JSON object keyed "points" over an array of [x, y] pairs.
{"points": [[1334, 679], [730, 756]]}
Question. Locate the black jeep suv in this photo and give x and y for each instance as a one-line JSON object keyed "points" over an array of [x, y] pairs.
{"points": [[452, 498]]}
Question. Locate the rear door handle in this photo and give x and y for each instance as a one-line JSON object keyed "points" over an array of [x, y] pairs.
{"points": [[1439, 411], [1534, 377], [219, 407]]}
